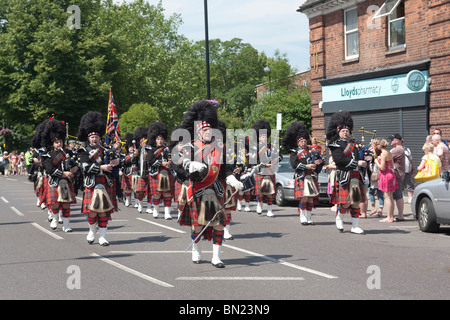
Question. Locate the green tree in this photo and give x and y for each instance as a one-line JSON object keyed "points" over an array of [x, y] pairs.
{"points": [[139, 114], [47, 68], [156, 63], [235, 68], [294, 105]]}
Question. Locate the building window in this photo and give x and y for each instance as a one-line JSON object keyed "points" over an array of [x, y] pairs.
{"points": [[351, 33], [397, 27]]}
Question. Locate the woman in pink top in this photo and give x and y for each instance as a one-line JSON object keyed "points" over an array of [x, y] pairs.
{"points": [[387, 182]]}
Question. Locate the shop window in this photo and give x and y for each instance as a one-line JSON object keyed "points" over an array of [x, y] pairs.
{"points": [[396, 30], [351, 33]]}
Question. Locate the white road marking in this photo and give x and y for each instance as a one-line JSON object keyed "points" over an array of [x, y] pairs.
{"points": [[50, 233], [121, 232], [161, 225], [17, 211], [4, 200], [287, 264], [132, 271], [160, 251], [243, 278]]}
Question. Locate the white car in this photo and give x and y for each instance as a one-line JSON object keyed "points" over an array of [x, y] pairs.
{"points": [[430, 203], [285, 183]]}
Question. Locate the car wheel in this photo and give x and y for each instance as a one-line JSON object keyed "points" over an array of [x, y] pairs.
{"points": [[426, 216], [279, 196]]}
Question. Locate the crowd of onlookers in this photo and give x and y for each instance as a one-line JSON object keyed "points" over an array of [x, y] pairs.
{"points": [[15, 163], [400, 163]]}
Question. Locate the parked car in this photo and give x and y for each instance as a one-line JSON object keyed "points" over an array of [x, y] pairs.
{"points": [[431, 202], [285, 183]]}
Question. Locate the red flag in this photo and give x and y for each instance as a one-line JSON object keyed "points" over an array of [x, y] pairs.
{"points": [[112, 124]]}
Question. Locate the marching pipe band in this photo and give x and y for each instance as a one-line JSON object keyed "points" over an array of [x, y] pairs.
{"points": [[142, 164]]}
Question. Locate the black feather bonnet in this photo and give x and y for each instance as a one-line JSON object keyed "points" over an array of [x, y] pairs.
{"points": [[199, 115], [261, 125], [155, 130], [52, 130], [139, 134], [339, 120], [129, 138], [295, 131], [36, 141], [92, 122]]}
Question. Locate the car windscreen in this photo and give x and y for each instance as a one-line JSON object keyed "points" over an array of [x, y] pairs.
{"points": [[284, 165]]}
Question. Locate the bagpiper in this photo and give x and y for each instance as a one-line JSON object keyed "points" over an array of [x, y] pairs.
{"points": [[207, 173], [160, 178], [99, 197], [347, 193], [261, 154], [129, 168], [141, 190], [58, 179], [36, 169], [307, 164], [180, 182]]}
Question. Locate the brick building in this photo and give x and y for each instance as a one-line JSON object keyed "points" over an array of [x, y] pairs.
{"points": [[298, 80], [385, 61]]}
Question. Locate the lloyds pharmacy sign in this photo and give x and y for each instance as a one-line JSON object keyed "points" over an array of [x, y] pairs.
{"points": [[413, 82]]}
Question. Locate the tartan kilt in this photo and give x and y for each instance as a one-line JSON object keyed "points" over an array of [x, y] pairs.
{"points": [[153, 184], [50, 194], [89, 192], [126, 183], [232, 201], [189, 214], [142, 185], [176, 190], [341, 194], [40, 192], [299, 187], [258, 179]]}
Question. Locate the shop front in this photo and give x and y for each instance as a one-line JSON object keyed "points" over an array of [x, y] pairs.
{"points": [[384, 102]]}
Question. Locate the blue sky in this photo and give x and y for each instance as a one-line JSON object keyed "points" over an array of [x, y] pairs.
{"points": [[265, 24]]}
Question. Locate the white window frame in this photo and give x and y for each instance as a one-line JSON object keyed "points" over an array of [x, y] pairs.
{"points": [[347, 32], [399, 46], [382, 11]]}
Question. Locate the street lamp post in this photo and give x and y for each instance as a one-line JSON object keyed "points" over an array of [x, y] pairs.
{"points": [[208, 89], [267, 70]]}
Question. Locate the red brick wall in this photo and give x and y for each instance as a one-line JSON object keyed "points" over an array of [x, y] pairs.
{"points": [[427, 26]]}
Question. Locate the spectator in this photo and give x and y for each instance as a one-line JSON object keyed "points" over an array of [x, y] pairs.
{"points": [[398, 154], [331, 166], [439, 132], [428, 149], [441, 150], [29, 159], [14, 160], [409, 183], [373, 188], [6, 157], [21, 164], [387, 180]]}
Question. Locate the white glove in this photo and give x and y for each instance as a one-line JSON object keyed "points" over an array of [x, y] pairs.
{"points": [[235, 183], [196, 166], [193, 166]]}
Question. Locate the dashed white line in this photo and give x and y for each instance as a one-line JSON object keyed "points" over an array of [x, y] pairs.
{"points": [[47, 231], [243, 278], [161, 225], [17, 211], [132, 271], [4, 200], [282, 262]]}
